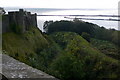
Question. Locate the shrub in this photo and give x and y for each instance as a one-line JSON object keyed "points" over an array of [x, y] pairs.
{"points": [[86, 36], [68, 67]]}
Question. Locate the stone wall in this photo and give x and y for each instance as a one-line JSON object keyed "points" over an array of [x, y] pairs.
{"points": [[16, 70], [5, 24], [18, 21], [34, 20]]}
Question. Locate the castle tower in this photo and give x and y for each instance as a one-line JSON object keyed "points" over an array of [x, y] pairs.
{"points": [[19, 21], [16, 21], [34, 20]]}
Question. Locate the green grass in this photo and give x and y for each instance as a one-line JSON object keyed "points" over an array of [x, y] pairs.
{"points": [[60, 54], [96, 63], [73, 40], [21, 46], [107, 48]]}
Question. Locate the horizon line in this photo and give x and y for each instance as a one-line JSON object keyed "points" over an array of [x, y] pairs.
{"points": [[65, 8]]}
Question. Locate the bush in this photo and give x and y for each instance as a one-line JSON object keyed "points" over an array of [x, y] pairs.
{"points": [[68, 67], [70, 26], [86, 36]]}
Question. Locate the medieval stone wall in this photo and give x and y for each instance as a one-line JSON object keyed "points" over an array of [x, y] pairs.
{"points": [[5, 23], [34, 20], [18, 21]]}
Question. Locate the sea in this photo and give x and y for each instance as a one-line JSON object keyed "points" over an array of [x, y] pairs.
{"points": [[59, 11]]}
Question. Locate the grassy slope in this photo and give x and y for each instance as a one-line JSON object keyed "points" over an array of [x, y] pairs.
{"points": [[21, 46], [76, 45], [33, 44], [73, 40], [107, 48]]}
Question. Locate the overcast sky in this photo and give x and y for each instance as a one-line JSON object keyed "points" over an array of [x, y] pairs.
{"points": [[102, 4]]}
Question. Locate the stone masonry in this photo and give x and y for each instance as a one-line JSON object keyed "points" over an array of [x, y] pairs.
{"points": [[12, 69], [18, 21]]}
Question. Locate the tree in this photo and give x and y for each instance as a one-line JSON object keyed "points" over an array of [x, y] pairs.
{"points": [[71, 26], [86, 36], [46, 24]]}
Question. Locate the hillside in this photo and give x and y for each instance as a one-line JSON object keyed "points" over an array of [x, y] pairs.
{"points": [[32, 47], [106, 47], [79, 26], [20, 46], [65, 55], [82, 59]]}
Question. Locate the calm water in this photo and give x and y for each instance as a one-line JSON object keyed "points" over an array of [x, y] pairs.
{"points": [[46, 11]]}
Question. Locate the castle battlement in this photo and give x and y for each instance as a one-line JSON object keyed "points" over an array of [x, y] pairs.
{"points": [[18, 21]]}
